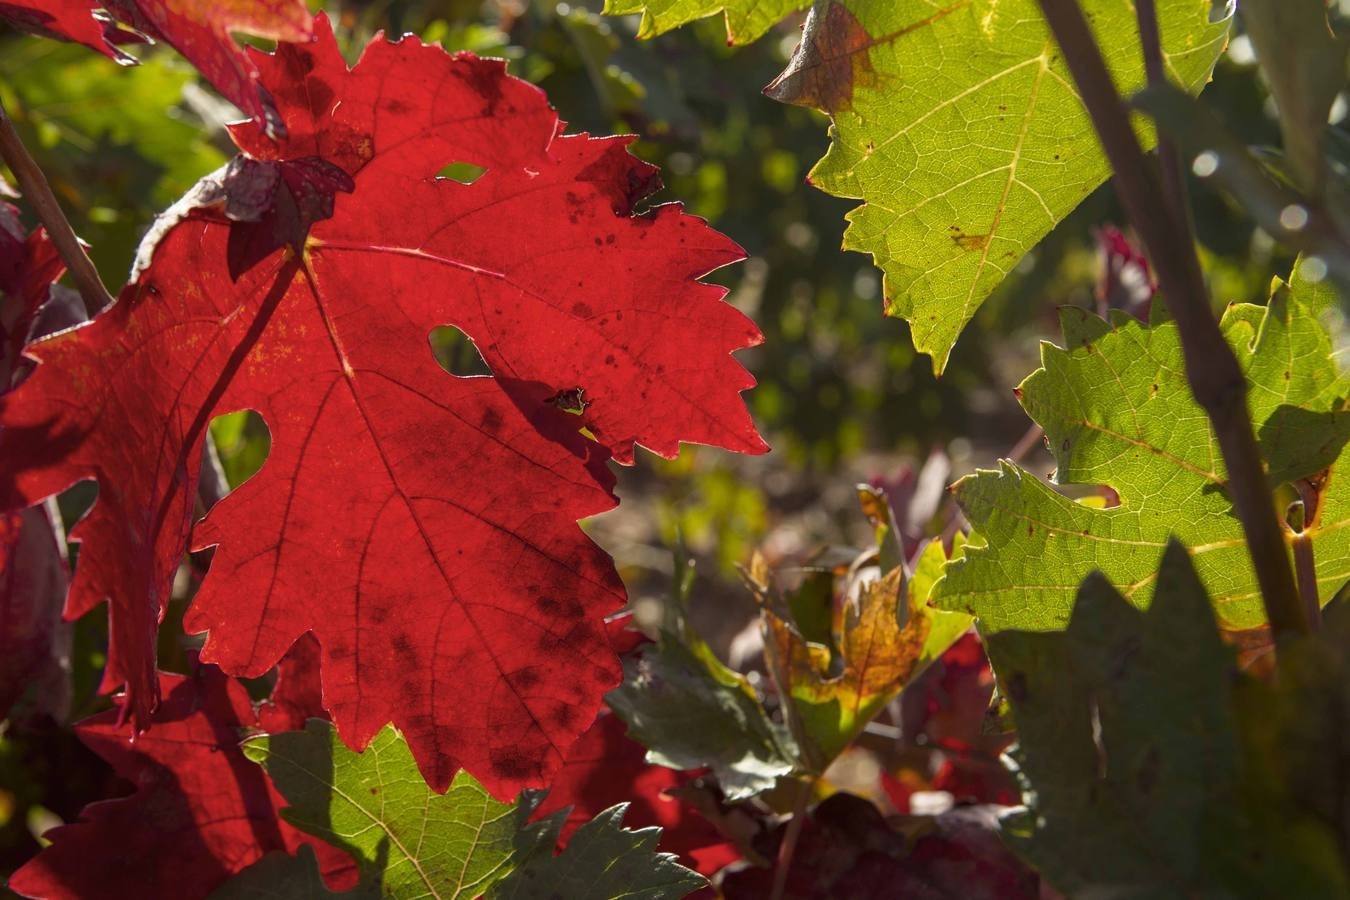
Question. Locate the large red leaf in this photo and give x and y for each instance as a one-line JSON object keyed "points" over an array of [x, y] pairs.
{"points": [[421, 525], [200, 813], [201, 31]]}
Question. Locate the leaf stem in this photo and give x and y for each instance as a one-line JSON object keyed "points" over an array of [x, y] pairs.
{"points": [[788, 848], [33, 184], [1216, 379], [1305, 567]]}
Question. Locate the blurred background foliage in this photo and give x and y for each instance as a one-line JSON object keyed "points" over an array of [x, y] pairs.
{"points": [[843, 397]]}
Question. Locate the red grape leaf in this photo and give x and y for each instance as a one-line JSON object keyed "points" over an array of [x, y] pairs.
{"points": [[298, 695], [201, 811], [605, 767], [201, 31], [70, 20], [29, 266], [421, 525], [34, 573], [34, 642]]}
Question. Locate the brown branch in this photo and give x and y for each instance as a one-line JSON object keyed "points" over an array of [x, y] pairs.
{"points": [[1215, 377], [1169, 158], [39, 194]]}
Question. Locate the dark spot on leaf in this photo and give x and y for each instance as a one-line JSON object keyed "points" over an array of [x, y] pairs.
{"points": [[971, 241], [832, 61], [510, 763], [525, 678], [581, 310], [491, 421]]}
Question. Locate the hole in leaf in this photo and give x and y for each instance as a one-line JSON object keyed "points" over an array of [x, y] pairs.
{"points": [[571, 401], [456, 352], [463, 172], [242, 441]]}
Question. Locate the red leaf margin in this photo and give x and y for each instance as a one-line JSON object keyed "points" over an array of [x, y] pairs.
{"points": [[517, 673]]}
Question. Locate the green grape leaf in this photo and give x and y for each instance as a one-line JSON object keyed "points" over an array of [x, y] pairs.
{"points": [[882, 647], [690, 711], [1318, 293], [602, 860], [405, 837], [1133, 756], [1119, 412], [747, 20], [957, 123], [409, 841], [280, 876]]}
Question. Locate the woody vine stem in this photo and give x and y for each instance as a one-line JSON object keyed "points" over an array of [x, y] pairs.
{"points": [[1216, 378]]}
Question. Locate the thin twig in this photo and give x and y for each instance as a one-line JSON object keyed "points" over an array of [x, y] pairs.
{"points": [[788, 848], [39, 194], [1216, 379]]}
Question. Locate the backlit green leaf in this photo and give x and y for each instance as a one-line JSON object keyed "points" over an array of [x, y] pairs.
{"points": [[957, 123], [1119, 412], [405, 837], [746, 19]]}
